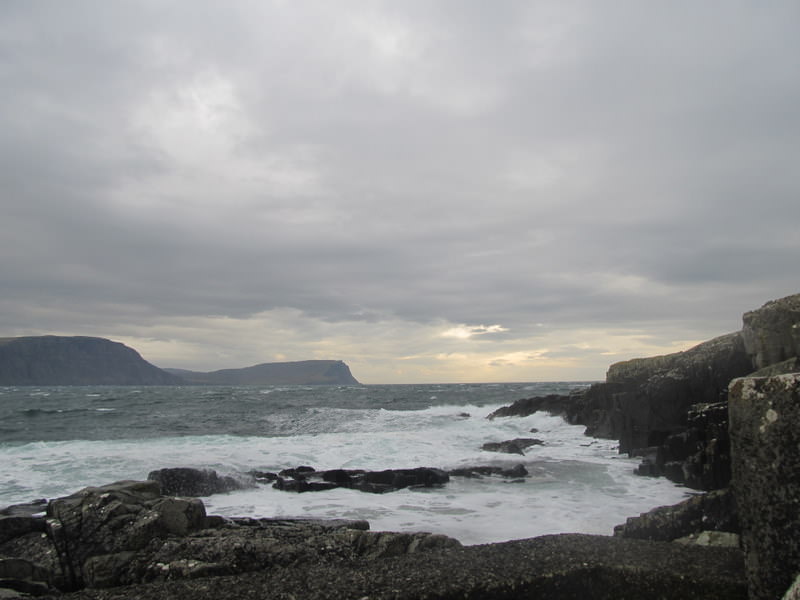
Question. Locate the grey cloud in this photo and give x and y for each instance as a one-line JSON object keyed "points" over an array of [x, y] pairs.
{"points": [[428, 162]]}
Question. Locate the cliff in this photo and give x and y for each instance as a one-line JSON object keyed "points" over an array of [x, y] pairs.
{"points": [[306, 372], [672, 409], [56, 360]]}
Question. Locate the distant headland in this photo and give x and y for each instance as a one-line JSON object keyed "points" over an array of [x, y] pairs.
{"points": [[81, 360]]}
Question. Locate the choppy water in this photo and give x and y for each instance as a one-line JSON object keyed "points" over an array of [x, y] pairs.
{"points": [[54, 441]]}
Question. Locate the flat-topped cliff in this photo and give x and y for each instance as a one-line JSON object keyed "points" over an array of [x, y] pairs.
{"points": [[304, 372], [78, 360]]}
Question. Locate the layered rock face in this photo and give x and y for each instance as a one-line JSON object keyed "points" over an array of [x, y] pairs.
{"points": [[673, 409], [765, 439]]}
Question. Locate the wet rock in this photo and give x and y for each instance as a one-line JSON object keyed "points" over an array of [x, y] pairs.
{"points": [[515, 446], [300, 472], [514, 472], [552, 403], [714, 511], [375, 482], [185, 481], [765, 446]]}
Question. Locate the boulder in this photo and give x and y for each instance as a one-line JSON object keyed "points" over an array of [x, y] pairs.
{"points": [[114, 521], [185, 481], [765, 447]]}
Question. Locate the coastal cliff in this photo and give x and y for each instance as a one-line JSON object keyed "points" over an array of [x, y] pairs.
{"points": [[305, 372], [80, 360], [58, 360], [673, 409]]}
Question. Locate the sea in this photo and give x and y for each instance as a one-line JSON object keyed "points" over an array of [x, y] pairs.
{"points": [[56, 440]]}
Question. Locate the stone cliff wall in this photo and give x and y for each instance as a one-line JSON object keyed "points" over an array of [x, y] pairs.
{"points": [[765, 439], [672, 409]]}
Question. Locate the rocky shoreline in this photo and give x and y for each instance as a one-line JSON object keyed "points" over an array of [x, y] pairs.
{"points": [[705, 418]]}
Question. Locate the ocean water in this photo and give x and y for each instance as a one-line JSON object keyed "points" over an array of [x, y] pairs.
{"points": [[57, 440]]}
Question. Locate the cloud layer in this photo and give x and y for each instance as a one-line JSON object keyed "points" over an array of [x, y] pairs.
{"points": [[430, 191]]}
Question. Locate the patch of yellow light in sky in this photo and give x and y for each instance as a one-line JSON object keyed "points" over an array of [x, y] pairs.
{"points": [[464, 332]]}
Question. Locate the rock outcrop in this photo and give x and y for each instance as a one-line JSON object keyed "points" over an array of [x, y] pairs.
{"points": [[128, 533], [715, 511], [307, 479], [57, 360], [672, 409], [515, 446], [765, 440], [305, 372], [186, 481], [557, 567]]}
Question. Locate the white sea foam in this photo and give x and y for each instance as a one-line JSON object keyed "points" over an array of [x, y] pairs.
{"points": [[576, 484]]}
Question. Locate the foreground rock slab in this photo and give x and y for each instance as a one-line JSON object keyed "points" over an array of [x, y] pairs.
{"points": [[765, 444], [580, 567]]}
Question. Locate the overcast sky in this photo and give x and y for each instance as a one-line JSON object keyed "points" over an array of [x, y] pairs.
{"points": [[431, 191]]}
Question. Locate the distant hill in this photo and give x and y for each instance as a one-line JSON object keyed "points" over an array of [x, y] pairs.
{"points": [[305, 372], [57, 360]]}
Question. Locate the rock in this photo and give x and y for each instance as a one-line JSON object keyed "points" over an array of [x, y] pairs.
{"points": [[24, 576], [514, 472], [653, 395], [714, 511], [772, 333], [765, 446], [27, 509], [115, 519], [376, 482], [711, 538], [297, 473], [552, 403], [515, 446], [15, 526], [791, 365], [184, 481], [793, 593], [555, 567]]}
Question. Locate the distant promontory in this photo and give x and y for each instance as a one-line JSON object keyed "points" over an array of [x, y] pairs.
{"points": [[79, 360], [304, 372]]}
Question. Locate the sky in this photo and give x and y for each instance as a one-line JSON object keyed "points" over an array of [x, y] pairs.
{"points": [[431, 191]]}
